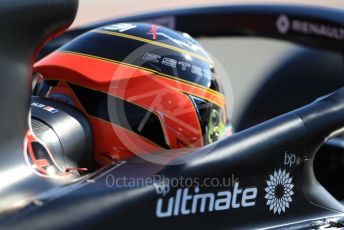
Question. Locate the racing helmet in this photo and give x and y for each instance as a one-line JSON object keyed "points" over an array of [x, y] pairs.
{"points": [[143, 88]]}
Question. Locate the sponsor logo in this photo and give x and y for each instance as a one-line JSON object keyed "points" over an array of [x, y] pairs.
{"points": [[188, 201], [50, 109], [38, 105], [178, 65], [284, 25], [162, 189], [289, 159], [42, 106], [279, 191]]}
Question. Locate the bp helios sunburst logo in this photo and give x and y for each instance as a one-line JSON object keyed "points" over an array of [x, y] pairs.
{"points": [[279, 191]]}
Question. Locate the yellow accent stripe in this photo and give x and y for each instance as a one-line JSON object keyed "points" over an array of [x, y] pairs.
{"points": [[151, 71], [155, 43]]}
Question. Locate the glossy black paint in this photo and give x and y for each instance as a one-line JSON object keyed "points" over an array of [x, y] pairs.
{"points": [[131, 45], [252, 155]]}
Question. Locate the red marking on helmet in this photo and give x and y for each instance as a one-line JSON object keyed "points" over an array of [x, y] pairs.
{"points": [[153, 30]]}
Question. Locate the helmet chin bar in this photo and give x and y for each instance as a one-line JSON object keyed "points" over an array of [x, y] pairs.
{"points": [[63, 142]]}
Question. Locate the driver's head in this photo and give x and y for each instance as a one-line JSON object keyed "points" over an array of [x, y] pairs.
{"points": [[143, 87]]}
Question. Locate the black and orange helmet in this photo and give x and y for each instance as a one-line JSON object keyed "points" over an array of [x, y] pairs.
{"points": [[143, 87]]}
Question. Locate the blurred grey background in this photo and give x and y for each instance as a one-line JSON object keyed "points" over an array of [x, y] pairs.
{"points": [[93, 10]]}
